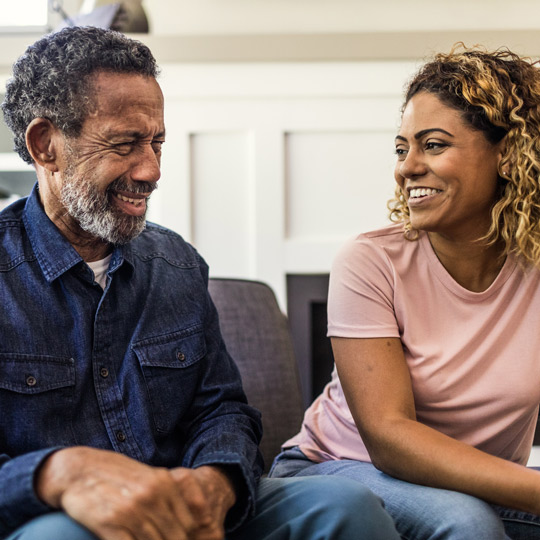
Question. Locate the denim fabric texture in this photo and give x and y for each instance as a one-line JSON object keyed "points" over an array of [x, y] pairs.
{"points": [[52, 526], [419, 512], [139, 368], [316, 508]]}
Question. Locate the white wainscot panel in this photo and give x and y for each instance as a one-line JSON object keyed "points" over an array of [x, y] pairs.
{"points": [[221, 206], [269, 168], [337, 183]]}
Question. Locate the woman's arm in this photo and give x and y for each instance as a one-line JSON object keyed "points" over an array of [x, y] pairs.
{"points": [[377, 386]]}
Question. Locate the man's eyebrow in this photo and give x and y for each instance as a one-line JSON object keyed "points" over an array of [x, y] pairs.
{"points": [[421, 134], [136, 135]]}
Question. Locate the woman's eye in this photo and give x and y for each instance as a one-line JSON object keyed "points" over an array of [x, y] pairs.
{"points": [[432, 145], [401, 152]]}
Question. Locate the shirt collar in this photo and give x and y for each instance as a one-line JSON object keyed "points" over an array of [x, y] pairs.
{"points": [[53, 251]]}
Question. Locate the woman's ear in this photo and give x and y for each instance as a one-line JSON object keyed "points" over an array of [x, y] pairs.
{"points": [[42, 141], [505, 161]]}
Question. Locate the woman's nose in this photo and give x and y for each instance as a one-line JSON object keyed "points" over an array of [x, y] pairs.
{"points": [[412, 166]]}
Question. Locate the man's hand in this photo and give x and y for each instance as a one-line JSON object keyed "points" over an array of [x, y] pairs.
{"points": [[118, 498], [209, 495]]}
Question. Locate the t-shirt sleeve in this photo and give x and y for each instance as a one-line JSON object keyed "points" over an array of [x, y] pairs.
{"points": [[361, 292]]}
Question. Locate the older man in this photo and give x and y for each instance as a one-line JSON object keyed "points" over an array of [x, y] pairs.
{"points": [[121, 414]]}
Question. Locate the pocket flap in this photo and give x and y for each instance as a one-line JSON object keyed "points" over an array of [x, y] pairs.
{"points": [[33, 374], [175, 350]]}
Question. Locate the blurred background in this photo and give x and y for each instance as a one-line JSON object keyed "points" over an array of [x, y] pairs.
{"points": [[280, 119]]}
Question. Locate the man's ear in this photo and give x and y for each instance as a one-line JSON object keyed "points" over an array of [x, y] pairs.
{"points": [[43, 140]]}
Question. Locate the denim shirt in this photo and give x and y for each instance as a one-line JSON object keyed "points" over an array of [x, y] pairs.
{"points": [[139, 368]]}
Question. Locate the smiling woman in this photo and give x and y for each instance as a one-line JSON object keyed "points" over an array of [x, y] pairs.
{"points": [[448, 175], [434, 320]]}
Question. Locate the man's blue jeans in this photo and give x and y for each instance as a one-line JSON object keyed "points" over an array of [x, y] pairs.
{"points": [[420, 512], [314, 508]]}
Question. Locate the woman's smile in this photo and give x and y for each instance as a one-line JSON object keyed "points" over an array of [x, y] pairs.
{"points": [[422, 195]]}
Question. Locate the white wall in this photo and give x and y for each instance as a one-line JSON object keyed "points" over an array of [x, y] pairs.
{"points": [[189, 17], [309, 16]]}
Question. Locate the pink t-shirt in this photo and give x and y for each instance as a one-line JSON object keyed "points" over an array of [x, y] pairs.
{"points": [[474, 358]]}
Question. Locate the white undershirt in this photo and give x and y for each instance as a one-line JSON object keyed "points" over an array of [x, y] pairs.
{"points": [[100, 270]]}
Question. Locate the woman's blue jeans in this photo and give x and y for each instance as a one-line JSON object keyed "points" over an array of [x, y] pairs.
{"points": [[420, 512]]}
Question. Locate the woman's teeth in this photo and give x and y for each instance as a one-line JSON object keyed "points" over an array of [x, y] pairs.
{"points": [[422, 192]]}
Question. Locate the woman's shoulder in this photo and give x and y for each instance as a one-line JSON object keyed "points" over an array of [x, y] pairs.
{"points": [[393, 232], [386, 241], [379, 255]]}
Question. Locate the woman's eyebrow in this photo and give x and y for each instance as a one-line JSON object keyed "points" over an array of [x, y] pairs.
{"points": [[420, 134]]}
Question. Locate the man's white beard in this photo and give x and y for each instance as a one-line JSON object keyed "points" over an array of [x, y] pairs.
{"points": [[94, 212]]}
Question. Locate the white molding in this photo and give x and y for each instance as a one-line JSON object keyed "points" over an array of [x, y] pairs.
{"points": [[332, 47], [287, 80], [306, 47]]}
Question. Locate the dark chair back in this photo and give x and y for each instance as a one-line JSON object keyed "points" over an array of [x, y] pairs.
{"points": [[257, 336]]}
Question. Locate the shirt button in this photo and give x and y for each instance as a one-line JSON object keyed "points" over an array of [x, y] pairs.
{"points": [[31, 380], [104, 372], [120, 436], [180, 356]]}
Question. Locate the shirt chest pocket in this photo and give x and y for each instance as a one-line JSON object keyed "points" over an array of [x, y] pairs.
{"points": [[171, 369], [36, 395]]}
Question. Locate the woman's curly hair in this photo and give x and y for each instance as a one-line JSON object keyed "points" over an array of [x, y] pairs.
{"points": [[53, 79], [497, 93]]}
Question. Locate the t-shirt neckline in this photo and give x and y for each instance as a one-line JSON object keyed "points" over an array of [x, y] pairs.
{"points": [[450, 283]]}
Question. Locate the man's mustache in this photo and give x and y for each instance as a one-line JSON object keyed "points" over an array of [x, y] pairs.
{"points": [[132, 187]]}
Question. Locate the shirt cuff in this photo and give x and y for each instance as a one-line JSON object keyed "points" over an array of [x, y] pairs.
{"points": [[18, 501]]}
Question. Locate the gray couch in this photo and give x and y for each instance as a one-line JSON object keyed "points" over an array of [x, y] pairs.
{"points": [[257, 336]]}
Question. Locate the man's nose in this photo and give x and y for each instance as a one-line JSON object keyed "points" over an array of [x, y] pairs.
{"points": [[147, 167]]}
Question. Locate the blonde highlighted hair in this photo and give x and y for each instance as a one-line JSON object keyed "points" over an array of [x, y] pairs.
{"points": [[497, 93]]}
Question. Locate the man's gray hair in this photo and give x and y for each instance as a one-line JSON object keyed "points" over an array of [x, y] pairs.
{"points": [[53, 78]]}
